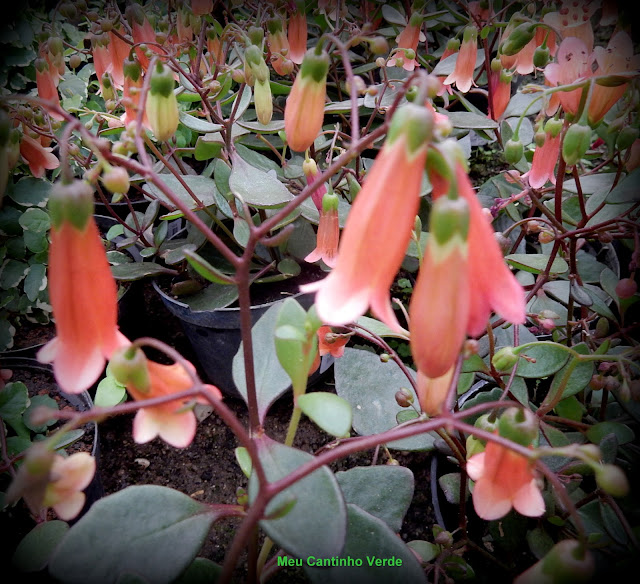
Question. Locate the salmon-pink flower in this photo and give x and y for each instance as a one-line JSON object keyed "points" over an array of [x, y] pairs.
{"points": [[376, 236], [503, 479], [297, 35], [102, 61], [328, 232], [119, 52], [201, 7], [278, 45], [304, 111], [68, 478], [133, 81], [183, 26], [82, 291], [494, 287], [408, 39], [47, 84], [462, 75], [522, 61], [618, 57], [142, 32], [574, 20], [453, 46], [544, 161], [37, 156], [432, 392], [330, 342], [310, 169], [173, 421], [573, 63], [500, 82]]}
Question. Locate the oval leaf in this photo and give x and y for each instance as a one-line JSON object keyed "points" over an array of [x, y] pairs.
{"points": [[547, 358], [327, 410], [255, 187], [536, 263]]}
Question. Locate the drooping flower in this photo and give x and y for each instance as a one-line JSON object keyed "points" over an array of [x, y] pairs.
{"points": [[142, 32], [297, 35], [328, 232], [47, 84], [133, 81], [37, 156], [304, 111], [162, 105], [618, 57], [278, 45], [432, 392], [102, 62], [173, 421], [408, 39], [545, 158], [573, 63], [118, 52], [522, 61], [68, 478], [82, 291], [500, 82], [330, 342], [453, 46], [494, 286], [378, 228], [462, 75], [310, 169], [201, 7]]}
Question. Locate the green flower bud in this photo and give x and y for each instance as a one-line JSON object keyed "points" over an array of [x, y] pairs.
{"points": [[520, 36], [612, 480], [162, 105], [116, 179], [256, 35], [553, 127], [55, 45], [513, 151], [263, 101], [315, 66], [539, 138], [129, 366], [75, 61], [541, 57], [576, 143], [404, 398], [568, 562], [504, 359], [414, 121], [519, 425], [449, 218], [162, 82], [72, 202], [627, 137]]}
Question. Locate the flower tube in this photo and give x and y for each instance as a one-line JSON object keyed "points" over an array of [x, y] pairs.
{"points": [[376, 236], [304, 111], [462, 75], [545, 156], [278, 45], [82, 291], [297, 34], [328, 232], [37, 156]]}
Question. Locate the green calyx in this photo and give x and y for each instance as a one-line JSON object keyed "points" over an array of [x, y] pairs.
{"points": [[315, 66], [449, 219], [513, 151], [519, 425], [330, 202], [504, 359], [520, 36], [134, 12], [416, 19], [274, 25], [256, 35], [470, 34], [415, 122], [162, 82], [553, 127], [253, 55], [576, 143], [71, 202], [132, 69], [129, 367]]}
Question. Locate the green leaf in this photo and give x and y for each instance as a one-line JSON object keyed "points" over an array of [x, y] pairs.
{"points": [[203, 188], [39, 401], [109, 393], [316, 525], [382, 491], [205, 269], [595, 183], [35, 220], [201, 571], [255, 187], [392, 16], [30, 192], [471, 121], [548, 358], [271, 378], [243, 100], [450, 485], [626, 191], [7, 331], [369, 542], [474, 363], [34, 551], [212, 297], [330, 412], [137, 270], [621, 431], [133, 531], [570, 408], [11, 273], [14, 399], [378, 328], [35, 281], [369, 386], [198, 124], [540, 542], [579, 378], [536, 263], [272, 127], [244, 460], [426, 550]]}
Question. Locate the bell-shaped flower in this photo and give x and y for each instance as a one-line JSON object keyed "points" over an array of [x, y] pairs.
{"points": [[184, 30], [297, 34], [162, 105], [304, 111], [201, 7], [439, 307], [328, 232], [67, 479], [47, 85], [573, 64], [133, 81], [102, 62], [378, 229], [37, 156], [432, 391], [408, 39], [142, 32], [119, 52], [494, 286], [462, 75], [310, 169], [173, 421], [618, 57], [500, 82], [451, 48], [545, 157], [82, 291], [278, 45], [331, 342]]}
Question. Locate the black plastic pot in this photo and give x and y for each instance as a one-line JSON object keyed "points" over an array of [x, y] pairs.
{"points": [[215, 337]]}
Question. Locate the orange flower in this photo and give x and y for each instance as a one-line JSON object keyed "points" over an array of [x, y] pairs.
{"points": [[68, 478], [142, 32], [278, 45], [500, 82], [493, 285], [133, 81], [432, 392], [328, 232], [310, 169], [37, 156], [201, 7], [522, 61], [544, 161], [618, 57], [82, 291], [47, 84], [378, 229], [172, 421], [330, 343], [304, 111], [408, 39], [462, 75], [297, 35], [503, 479]]}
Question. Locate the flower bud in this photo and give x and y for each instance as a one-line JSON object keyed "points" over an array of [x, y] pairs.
{"points": [[611, 479], [72, 202], [404, 398], [576, 143], [162, 105], [591, 452], [116, 179], [513, 151], [541, 57], [129, 366], [378, 45], [263, 101], [75, 61], [520, 36], [568, 562], [256, 35], [602, 328], [519, 425], [626, 137], [626, 288], [504, 359], [553, 127], [546, 236]]}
